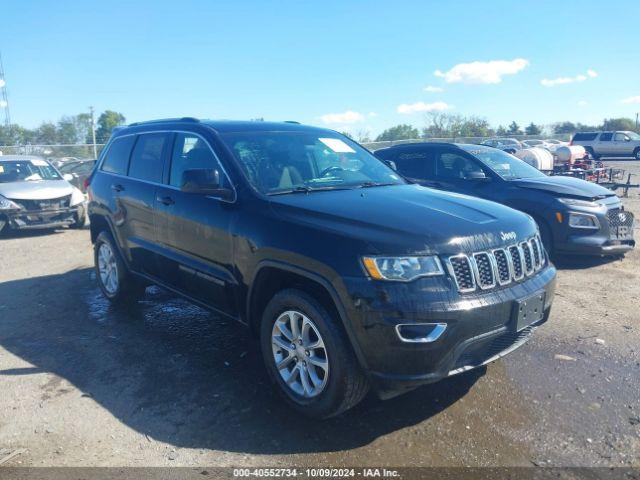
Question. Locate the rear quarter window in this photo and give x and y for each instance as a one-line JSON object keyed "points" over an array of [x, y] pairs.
{"points": [[584, 137], [606, 137], [117, 158]]}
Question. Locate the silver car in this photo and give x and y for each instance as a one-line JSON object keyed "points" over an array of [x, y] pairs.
{"points": [[609, 144], [509, 145], [33, 194]]}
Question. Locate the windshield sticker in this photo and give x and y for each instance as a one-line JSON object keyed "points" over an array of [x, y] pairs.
{"points": [[337, 145], [39, 163]]}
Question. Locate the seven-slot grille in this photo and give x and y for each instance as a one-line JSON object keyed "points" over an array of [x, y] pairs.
{"points": [[497, 267]]}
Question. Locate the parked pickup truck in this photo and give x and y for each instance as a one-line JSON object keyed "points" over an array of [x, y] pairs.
{"points": [[609, 144]]}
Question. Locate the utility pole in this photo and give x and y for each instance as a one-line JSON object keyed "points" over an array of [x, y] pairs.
{"points": [[4, 99], [636, 121], [93, 133]]}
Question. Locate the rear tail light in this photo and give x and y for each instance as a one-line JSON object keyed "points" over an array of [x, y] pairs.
{"points": [[86, 183]]}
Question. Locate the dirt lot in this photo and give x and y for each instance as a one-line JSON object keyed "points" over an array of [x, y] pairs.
{"points": [[167, 383]]}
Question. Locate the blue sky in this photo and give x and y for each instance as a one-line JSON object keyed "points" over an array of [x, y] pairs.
{"points": [[354, 65]]}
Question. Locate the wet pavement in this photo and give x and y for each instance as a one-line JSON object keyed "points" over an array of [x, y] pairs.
{"points": [[167, 383]]}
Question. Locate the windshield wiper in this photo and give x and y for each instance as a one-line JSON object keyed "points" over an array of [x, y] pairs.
{"points": [[306, 189], [374, 184]]}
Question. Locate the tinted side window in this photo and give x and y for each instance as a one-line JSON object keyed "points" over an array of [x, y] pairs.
{"points": [[146, 160], [117, 158], [417, 165], [191, 152], [455, 166], [606, 137], [584, 137]]}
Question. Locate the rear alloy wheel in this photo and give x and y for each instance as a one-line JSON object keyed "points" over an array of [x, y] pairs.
{"points": [[114, 279], [637, 154], [308, 356]]}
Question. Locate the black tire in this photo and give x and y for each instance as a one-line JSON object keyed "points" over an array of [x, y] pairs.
{"points": [[591, 153], [346, 384], [128, 288], [636, 154], [80, 218], [3, 222]]}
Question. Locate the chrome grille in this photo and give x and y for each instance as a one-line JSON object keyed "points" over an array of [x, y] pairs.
{"points": [[516, 260], [538, 256], [528, 258], [503, 266], [462, 273], [486, 270]]}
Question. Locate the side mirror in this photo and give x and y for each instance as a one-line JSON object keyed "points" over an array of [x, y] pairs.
{"points": [[205, 181], [627, 139], [476, 175], [68, 177], [391, 164]]}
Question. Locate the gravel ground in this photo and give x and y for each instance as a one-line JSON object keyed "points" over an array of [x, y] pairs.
{"points": [[167, 383]]}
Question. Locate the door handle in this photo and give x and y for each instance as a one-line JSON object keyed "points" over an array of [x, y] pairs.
{"points": [[166, 200], [117, 188]]}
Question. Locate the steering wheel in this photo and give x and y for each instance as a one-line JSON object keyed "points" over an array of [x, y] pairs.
{"points": [[334, 168]]}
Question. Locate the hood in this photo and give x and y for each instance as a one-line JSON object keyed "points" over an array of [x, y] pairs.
{"points": [[565, 187], [408, 218], [36, 190]]}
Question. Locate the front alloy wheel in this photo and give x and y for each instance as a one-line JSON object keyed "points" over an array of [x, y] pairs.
{"points": [[299, 354]]}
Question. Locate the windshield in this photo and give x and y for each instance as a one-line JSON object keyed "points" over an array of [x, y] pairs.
{"points": [[506, 166], [26, 171], [633, 135], [285, 162]]}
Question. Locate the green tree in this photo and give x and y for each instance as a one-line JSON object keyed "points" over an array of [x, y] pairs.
{"points": [[514, 129], [107, 121], [399, 132], [564, 127], [347, 134], [66, 132], [46, 134], [501, 131], [532, 129], [619, 124]]}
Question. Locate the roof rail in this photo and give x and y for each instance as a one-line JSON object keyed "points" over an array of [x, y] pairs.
{"points": [[292, 121], [166, 120]]}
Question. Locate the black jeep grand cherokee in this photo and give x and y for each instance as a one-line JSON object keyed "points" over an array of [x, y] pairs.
{"points": [[349, 276]]}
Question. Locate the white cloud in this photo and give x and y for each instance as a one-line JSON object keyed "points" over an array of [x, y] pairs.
{"points": [[582, 103], [373, 114], [345, 117], [635, 99], [3, 104], [483, 72], [408, 108], [2, 83], [432, 89], [546, 82]]}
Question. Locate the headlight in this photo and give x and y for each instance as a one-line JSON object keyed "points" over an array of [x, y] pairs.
{"points": [[77, 197], [578, 203], [6, 204], [402, 269], [583, 220]]}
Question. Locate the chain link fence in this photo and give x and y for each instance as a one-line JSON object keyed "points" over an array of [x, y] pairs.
{"points": [[473, 140], [90, 151], [55, 152]]}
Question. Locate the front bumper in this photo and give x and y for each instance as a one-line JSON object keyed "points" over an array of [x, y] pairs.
{"points": [[481, 327], [602, 241], [49, 218]]}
